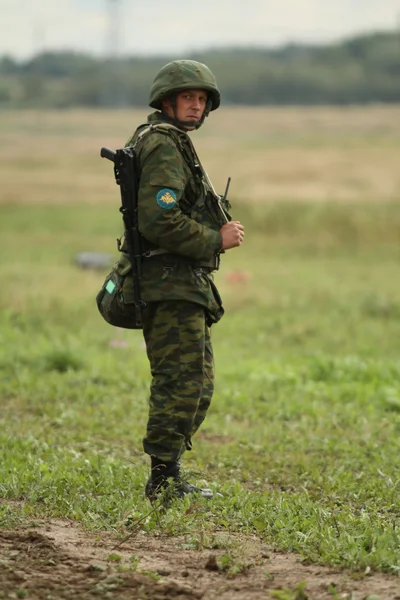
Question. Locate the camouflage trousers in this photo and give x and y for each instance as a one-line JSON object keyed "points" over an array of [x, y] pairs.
{"points": [[179, 349]]}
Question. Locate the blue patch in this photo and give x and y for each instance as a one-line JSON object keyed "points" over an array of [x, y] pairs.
{"points": [[166, 198]]}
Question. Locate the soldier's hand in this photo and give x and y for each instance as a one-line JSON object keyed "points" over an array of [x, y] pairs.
{"points": [[232, 234]]}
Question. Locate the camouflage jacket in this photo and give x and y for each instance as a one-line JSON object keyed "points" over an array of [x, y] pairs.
{"points": [[180, 216]]}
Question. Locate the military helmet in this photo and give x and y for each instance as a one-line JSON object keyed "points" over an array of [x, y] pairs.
{"points": [[183, 75]]}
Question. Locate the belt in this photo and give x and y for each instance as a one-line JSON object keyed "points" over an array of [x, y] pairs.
{"points": [[196, 265]]}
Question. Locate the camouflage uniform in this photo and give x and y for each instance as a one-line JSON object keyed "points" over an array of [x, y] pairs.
{"points": [[179, 220]]}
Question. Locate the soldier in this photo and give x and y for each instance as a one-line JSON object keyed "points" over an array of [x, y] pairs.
{"points": [[184, 227]]}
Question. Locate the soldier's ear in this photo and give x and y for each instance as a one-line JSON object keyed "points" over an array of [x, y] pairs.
{"points": [[165, 103]]}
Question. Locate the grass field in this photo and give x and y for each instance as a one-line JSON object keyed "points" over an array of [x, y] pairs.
{"points": [[302, 438]]}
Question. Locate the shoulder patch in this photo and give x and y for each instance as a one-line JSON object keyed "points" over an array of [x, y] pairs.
{"points": [[166, 198]]}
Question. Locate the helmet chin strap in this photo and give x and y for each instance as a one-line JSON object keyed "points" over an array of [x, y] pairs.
{"points": [[187, 125]]}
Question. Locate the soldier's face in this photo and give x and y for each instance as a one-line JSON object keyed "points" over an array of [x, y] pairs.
{"points": [[190, 106]]}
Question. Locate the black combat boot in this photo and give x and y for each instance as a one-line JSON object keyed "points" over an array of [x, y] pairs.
{"points": [[165, 478]]}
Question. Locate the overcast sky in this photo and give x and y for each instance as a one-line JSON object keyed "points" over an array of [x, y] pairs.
{"points": [[179, 26]]}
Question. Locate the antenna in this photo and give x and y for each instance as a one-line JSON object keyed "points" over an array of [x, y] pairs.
{"points": [[39, 37], [112, 83], [112, 49]]}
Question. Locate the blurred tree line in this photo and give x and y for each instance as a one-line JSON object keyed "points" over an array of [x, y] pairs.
{"points": [[358, 70]]}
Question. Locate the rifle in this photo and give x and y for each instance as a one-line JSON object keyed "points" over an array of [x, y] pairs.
{"points": [[126, 176]]}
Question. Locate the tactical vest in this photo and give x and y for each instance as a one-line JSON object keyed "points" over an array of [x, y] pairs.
{"points": [[200, 201]]}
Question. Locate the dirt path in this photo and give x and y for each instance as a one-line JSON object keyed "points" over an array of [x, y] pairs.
{"points": [[57, 560]]}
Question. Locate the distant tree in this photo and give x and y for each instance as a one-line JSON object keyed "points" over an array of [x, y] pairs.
{"points": [[362, 69], [59, 64], [8, 66], [32, 88], [5, 95]]}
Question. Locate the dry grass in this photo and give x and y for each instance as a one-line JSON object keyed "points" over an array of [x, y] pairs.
{"points": [[347, 154]]}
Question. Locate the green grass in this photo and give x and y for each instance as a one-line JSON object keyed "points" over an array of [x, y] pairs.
{"points": [[302, 438]]}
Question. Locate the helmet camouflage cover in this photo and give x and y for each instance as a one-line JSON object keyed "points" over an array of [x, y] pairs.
{"points": [[184, 75]]}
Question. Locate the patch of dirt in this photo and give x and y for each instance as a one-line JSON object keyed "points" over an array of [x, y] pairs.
{"points": [[57, 560]]}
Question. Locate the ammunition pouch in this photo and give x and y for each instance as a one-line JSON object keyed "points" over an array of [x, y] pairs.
{"points": [[116, 299], [214, 316]]}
